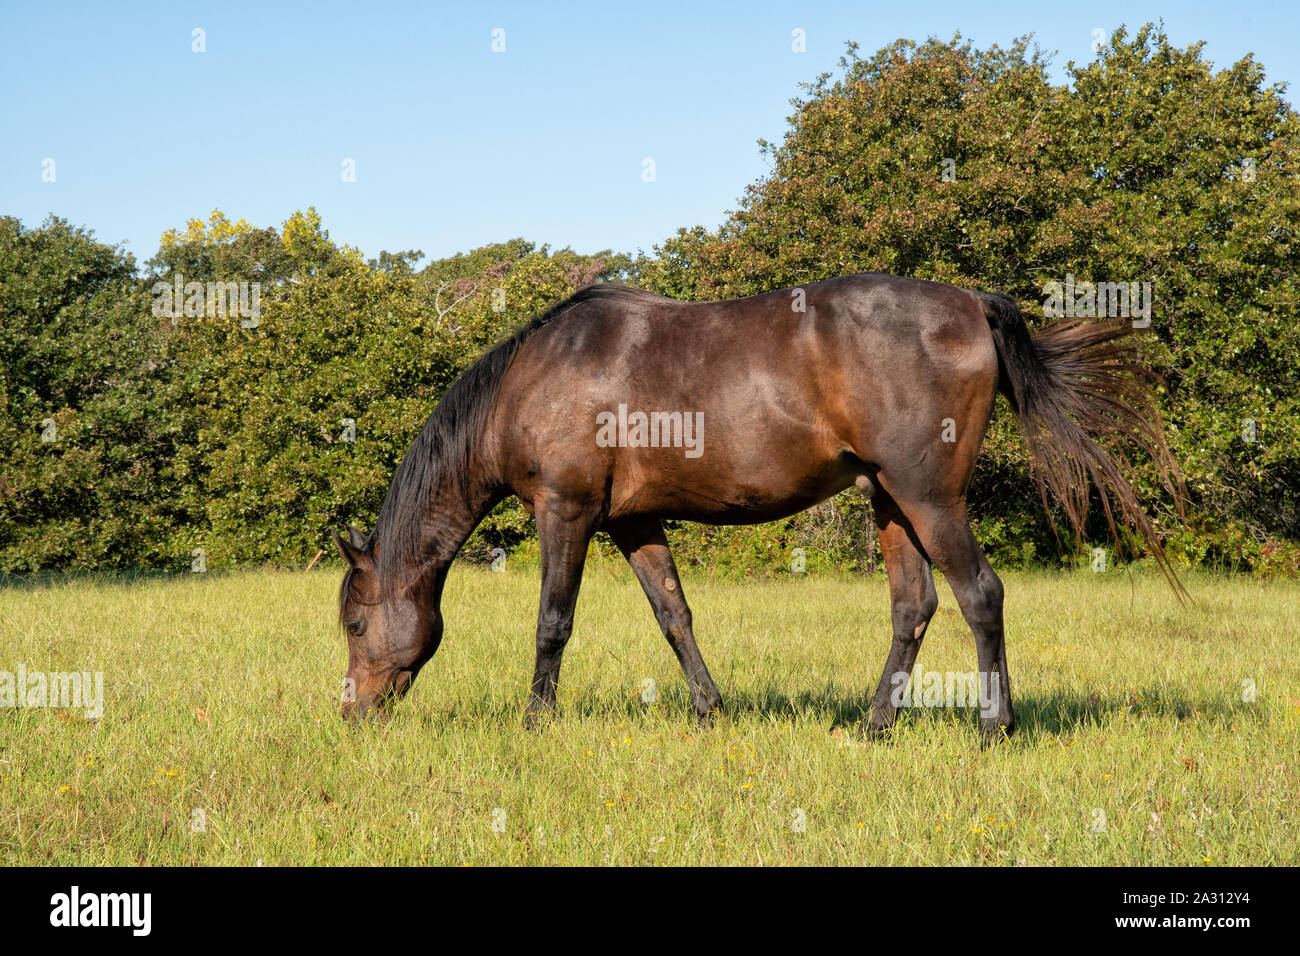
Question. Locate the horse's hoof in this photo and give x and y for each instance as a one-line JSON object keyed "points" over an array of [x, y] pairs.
{"points": [[992, 734], [876, 733], [536, 716], [877, 726]]}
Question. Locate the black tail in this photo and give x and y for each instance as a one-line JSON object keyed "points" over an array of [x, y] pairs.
{"points": [[1070, 384]]}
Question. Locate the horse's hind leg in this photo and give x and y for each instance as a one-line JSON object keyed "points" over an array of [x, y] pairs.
{"points": [[913, 603], [564, 530], [945, 534], [643, 543]]}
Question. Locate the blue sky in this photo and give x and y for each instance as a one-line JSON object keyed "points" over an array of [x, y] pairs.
{"points": [[456, 146]]}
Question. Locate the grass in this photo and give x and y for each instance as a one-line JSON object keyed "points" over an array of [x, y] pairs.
{"points": [[220, 741]]}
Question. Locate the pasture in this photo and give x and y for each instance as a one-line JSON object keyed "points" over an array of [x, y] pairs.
{"points": [[220, 740]]}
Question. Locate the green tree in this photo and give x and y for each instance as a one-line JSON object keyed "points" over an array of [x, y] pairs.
{"points": [[85, 438], [972, 167], [307, 415]]}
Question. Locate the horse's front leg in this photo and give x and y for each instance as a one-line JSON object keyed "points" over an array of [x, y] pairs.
{"points": [[645, 547], [564, 530]]}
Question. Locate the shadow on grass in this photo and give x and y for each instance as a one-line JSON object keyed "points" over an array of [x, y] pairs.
{"points": [[45, 580], [1038, 715]]}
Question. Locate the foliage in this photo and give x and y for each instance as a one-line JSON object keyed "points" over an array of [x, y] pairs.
{"points": [[203, 429], [83, 429], [1147, 166]]}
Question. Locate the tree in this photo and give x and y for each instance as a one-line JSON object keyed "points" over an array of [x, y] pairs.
{"points": [[84, 436], [972, 167]]}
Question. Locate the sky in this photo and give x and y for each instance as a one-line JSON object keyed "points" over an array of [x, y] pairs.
{"points": [[454, 145]]}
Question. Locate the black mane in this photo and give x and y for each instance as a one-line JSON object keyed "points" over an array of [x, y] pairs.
{"points": [[441, 452]]}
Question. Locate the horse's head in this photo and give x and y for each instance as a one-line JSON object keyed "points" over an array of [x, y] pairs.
{"points": [[390, 633]]}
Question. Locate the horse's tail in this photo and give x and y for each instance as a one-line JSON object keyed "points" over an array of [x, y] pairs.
{"points": [[1070, 384]]}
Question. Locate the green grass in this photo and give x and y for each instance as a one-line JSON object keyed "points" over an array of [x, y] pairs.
{"points": [[220, 696]]}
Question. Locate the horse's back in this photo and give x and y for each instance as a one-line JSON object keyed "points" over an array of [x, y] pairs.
{"points": [[796, 392]]}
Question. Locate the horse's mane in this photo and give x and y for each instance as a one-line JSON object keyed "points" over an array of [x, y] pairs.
{"points": [[441, 452]]}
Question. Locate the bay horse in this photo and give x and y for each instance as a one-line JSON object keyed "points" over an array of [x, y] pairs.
{"points": [[757, 408]]}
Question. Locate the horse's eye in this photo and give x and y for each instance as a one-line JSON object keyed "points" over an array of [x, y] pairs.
{"points": [[353, 627]]}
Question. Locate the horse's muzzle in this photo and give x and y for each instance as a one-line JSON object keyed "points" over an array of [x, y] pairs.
{"points": [[371, 704]]}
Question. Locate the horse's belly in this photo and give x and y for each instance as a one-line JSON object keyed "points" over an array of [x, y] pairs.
{"points": [[699, 492]]}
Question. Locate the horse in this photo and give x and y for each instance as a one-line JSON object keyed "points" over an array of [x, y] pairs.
{"points": [[618, 409]]}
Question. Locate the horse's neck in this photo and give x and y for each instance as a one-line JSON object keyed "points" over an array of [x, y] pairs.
{"points": [[426, 538], [450, 521]]}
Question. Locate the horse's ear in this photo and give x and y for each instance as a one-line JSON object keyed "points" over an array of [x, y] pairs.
{"points": [[352, 547]]}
